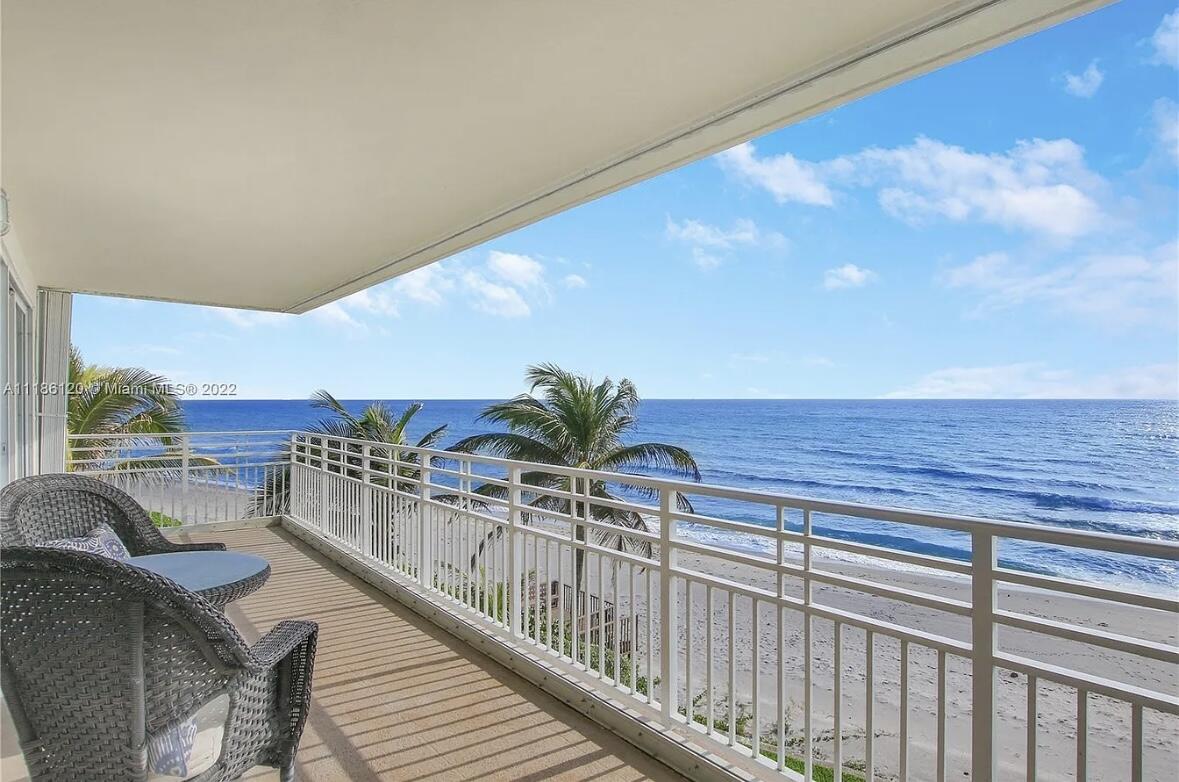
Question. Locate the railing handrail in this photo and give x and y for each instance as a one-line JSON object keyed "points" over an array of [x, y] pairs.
{"points": [[186, 433], [414, 511], [1039, 533], [360, 494]]}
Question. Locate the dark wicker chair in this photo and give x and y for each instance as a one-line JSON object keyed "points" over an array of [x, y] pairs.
{"points": [[97, 654], [41, 508]]}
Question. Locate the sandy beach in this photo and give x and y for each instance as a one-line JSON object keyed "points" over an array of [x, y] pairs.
{"points": [[1108, 720]]}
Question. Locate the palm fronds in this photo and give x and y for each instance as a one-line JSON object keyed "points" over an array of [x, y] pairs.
{"points": [[569, 420], [376, 424], [117, 408]]}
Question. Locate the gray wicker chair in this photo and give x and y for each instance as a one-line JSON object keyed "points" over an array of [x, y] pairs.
{"points": [[97, 654], [41, 508]]}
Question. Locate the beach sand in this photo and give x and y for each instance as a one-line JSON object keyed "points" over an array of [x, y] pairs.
{"points": [[1109, 723]]}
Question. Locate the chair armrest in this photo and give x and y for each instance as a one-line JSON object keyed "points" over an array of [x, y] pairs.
{"points": [[289, 649], [173, 547], [286, 636]]}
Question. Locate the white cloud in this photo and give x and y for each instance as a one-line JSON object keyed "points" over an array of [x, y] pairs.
{"points": [[1118, 290], [1033, 380], [248, 319], [519, 270], [847, 276], [506, 285], [750, 358], [427, 285], [784, 176], [1165, 41], [501, 300], [1165, 113], [378, 300], [704, 259], [744, 232], [1039, 186], [1086, 83], [709, 242], [334, 314]]}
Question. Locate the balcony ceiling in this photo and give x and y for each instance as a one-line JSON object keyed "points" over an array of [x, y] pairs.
{"points": [[279, 155]]}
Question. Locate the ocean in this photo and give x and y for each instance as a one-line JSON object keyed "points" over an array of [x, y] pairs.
{"points": [[1102, 466]]}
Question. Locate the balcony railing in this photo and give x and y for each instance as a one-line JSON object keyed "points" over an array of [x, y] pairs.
{"points": [[763, 634], [191, 477]]}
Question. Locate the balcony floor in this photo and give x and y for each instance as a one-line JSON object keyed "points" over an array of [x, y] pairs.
{"points": [[397, 698]]}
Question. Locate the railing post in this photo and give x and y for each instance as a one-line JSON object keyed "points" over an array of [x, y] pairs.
{"points": [[288, 487], [185, 452], [982, 634], [515, 589], [425, 543], [366, 520], [323, 484], [668, 609]]}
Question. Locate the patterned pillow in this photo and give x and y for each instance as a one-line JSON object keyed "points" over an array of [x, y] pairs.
{"points": [[101, 540], [186, 748]]}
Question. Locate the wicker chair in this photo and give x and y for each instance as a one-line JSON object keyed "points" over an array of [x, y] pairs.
{"points": [[97, 655], [40, 508]]}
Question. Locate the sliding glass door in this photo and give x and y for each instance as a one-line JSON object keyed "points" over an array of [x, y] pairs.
{"points": [[18, 424]]}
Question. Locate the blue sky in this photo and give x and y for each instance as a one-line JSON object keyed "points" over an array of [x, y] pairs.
{"points": [[1005, 227]]}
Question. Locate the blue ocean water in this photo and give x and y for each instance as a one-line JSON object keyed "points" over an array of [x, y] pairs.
{"points": [[1102, 466]]}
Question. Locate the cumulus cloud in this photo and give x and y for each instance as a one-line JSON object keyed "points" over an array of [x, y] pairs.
{"points": [[1165, 115], [427, 285], [248, 319], [334, 314], [519, 270], [784, 176], [1034, 380], [375, 301], [1165, 41], [710, 243], [494, 299], [1039, 186], [750, 358], [1086, 83], [847, 276], [704, 259], [1117, 290], [506, 285]]}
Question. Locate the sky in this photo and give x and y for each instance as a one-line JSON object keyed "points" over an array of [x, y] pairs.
{"points": [[1003, 227]]}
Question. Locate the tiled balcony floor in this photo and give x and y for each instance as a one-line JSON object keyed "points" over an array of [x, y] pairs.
{"points": [[396, 698]]}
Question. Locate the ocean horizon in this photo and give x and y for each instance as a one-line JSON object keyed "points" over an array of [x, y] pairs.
{"points": [[1106, 466]]}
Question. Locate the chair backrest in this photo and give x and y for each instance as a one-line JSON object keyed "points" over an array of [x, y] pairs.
{"points": [[97, 654], [41, 508]]}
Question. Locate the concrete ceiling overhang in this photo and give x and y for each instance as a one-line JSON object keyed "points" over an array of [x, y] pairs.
{"points": [[280, 155]]}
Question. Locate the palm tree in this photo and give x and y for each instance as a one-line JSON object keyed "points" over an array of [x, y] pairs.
{"points": [[577, 423], [112, 403], [375, 424]]}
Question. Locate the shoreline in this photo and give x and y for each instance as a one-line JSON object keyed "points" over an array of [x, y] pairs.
{"points": [[1108, 721]]}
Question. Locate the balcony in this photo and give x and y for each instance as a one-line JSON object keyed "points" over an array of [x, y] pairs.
{"points": [[398, 698], [786, 650]]}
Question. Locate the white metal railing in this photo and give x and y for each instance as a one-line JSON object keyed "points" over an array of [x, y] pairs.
{"points": [[191, 477], [784, 645]]}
